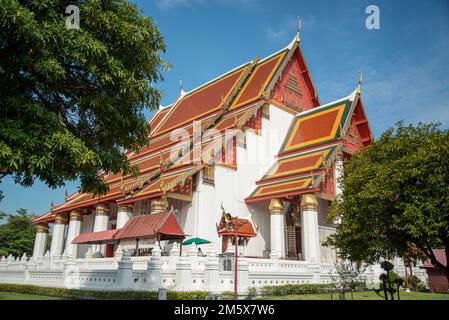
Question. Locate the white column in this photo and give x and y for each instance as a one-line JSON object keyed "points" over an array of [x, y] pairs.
{"points": [[100, 224], [125, 272], [57, 239], [76, 220], [40, 241], [154, 268], [183, 274], [123, 214], [243, 276], [277, 228], [212, 271], [309, 228], [159, 205]]}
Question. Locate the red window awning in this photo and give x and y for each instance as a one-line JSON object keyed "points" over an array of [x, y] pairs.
{"points": [[162, 225], [96, 237]]}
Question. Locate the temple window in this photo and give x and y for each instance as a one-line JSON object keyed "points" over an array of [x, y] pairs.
{"points": [[145, 207], [195, 182], [209, 174]]}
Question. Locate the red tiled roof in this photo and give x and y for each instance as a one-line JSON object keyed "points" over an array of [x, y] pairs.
{"points": [[149, 225], [200, 102], [235, 90], [311, 144], [96, 237], [440, 255], [243, 227]]}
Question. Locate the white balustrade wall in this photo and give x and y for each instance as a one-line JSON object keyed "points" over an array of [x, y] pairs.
{"points": [[173, 272]]}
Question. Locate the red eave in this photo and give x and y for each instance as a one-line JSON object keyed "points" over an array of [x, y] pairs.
{"points": [[150, 225], [281, 195], [96, 237]]}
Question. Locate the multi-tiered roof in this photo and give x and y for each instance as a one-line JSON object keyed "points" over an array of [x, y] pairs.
{"points": [[232, 101]]}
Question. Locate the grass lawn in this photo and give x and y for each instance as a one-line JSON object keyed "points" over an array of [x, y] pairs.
{"points": [[21, 296], [368, 295]]}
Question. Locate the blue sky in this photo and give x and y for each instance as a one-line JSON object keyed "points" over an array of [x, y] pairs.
{"points": [[405, 63]]}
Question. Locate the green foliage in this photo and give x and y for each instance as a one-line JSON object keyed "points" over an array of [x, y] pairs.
{"points": [[395, 196], [289, 289], [393, 276], [390, 286], [347, 275], [73, 100], [191, 295], [251, 293], [100, 295], [17, 234], [413, 283]]}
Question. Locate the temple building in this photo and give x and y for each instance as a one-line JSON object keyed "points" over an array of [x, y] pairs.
{"points": [[255, 140], [251, 155]]}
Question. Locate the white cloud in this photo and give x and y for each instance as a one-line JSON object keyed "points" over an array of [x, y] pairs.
{"points": [[275, 35]]}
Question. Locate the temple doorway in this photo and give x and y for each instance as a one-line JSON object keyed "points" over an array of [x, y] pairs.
{"points": [[293, 236]]}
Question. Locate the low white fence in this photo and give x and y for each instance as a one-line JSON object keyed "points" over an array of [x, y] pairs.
{"points": [[188, 272]]}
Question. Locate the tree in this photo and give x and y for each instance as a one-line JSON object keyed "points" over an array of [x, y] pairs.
{"points": [[346, 276], [17, 235], [395, 199], [72, 100]]}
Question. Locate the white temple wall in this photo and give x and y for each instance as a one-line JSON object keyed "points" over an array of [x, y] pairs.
{"points": [[323, 207], [328, 255], [187, 218], [260, 244], [258, 157], [86, 226], [233, 186], [208, 211]]}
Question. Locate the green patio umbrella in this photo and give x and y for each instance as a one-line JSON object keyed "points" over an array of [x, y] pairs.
{"points": [[195, 241]]}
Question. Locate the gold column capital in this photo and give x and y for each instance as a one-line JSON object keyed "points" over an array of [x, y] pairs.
{"points": [[125, 207], [276, 206], [102, 210], [159, 204], [76, 215], [61, 218], [309, 200], [41, 228]]}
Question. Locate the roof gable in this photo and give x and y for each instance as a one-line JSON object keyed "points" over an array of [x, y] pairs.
{"points": [[305, 159], [295, 89]]}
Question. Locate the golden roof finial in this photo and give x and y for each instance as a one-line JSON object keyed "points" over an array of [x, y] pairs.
{"points": [[66, 194], [359, 86], [299, 29], [52, 205], [180, 85]]}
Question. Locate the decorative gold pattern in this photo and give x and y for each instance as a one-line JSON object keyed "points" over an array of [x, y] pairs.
{"points": [[102, 210], [309, 200], [159, 204], [209, 174], [76, 215], [61, 218], [276, 206], [126, 207], [42, 228]]}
